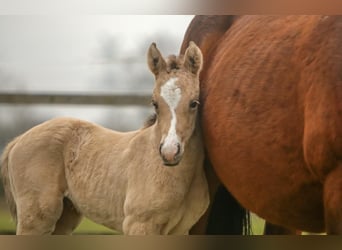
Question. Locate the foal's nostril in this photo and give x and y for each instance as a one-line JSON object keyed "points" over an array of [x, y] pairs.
{"points": [[178, 149], [160, 148]]}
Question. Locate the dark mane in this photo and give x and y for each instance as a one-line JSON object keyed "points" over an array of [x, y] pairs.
{"points": [[150, 120], [174, 63]]}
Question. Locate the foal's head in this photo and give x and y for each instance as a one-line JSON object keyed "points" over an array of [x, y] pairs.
{"points": [[175, 99]]}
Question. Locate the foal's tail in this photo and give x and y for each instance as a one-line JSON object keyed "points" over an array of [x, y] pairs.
{"points": [[6, 179]]}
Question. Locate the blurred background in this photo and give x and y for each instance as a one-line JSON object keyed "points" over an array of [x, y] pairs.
{"points": [[79, 54]]}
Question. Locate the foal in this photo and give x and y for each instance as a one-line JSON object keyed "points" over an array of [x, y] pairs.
{"points": [[149, 181]]}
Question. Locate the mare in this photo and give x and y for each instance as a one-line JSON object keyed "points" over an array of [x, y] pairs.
{"points": [[149, 181], [271, 114]]}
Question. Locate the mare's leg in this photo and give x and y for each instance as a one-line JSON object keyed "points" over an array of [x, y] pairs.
{"points": [[333, 201], [227, 215], [69, 219], [271, 229], [38, 212]]}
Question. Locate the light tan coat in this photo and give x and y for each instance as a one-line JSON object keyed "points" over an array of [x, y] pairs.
{"points": [[65, 168]]}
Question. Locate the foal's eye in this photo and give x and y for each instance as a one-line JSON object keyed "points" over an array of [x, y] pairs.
{"points": [[155, 104], [194, 104]]}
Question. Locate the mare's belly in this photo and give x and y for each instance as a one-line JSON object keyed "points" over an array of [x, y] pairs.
{"points": [[280, 194], [253, 119]]}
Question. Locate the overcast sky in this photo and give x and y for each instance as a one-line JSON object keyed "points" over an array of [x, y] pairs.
{"points": [[59, 50], [29, 38]]}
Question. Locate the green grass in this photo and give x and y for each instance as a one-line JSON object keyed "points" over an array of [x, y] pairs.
{"points": [[6, 223], [257, 225], [88, 227]]}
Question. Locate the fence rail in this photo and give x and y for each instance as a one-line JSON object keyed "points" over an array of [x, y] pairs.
{"points": [[76, 98]]}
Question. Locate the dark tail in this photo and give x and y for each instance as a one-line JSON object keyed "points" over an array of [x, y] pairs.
{"points": [[227, 216], [6, 179]]}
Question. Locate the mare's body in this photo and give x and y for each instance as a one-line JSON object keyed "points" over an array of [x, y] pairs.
{"points": [[271, 90]]}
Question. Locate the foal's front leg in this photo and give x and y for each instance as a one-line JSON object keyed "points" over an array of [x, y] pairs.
{"points": [[135, 225]]}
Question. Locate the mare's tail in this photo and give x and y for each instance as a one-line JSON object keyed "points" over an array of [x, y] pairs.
{"points": [[6, 179], [227, 216]]}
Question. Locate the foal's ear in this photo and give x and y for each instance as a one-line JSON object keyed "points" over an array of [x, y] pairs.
{"points": [[193, 58], [155, 60]]}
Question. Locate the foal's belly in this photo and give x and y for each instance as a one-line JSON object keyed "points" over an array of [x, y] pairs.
{"points": [[101, 202], [102, 211]]}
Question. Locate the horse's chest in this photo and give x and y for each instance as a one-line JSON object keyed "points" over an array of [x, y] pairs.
{"points": [[177, 205]]}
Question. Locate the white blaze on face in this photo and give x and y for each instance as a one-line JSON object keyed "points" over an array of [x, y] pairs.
{"points": [[171, 93]]}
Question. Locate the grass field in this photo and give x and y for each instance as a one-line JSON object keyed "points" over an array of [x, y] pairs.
{"points": [[85, 227], [88, 227], [6, 222]]}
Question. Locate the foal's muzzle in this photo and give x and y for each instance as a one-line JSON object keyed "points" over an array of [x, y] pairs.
{"points": [[171, 154]]}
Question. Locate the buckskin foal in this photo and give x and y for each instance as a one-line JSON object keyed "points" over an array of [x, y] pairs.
{"points": [[149, 181]]}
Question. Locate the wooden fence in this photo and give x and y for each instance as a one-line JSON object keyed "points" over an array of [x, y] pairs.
{"points": [[76, 98]]}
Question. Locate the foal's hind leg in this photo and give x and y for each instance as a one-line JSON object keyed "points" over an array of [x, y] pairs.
{"points": [[69, 219], [333, 201], [37, 213]]}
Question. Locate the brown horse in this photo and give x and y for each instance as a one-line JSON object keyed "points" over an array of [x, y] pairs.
{"points": [[225, 215], [65, 168], [271, 90]]}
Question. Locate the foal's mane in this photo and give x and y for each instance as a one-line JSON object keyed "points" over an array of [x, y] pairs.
{"points": [[150, 120], [173, 64]]}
